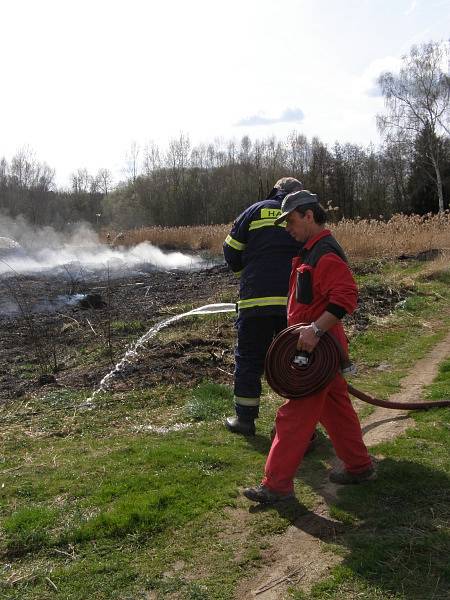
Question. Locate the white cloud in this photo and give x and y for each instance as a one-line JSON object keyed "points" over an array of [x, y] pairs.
{"points": [[289, 115], [367, 82]]}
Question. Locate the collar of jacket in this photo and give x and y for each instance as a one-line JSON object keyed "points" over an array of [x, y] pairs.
{"points": [[310, 243], [276, 195]]}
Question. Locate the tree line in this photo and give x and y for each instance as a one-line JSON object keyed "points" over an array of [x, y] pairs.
{"points": [[212, 183]]}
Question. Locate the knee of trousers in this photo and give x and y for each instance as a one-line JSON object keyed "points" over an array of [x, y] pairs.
{"points": [[299, 413]]}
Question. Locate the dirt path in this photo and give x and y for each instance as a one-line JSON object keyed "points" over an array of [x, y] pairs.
{"points": [[297, 556]]}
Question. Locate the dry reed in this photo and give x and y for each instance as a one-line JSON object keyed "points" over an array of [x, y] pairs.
{"points": [[402, 234], [361, 238], [202, 237]]}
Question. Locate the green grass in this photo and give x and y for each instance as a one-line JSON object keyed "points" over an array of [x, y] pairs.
{"points": [[105, 507], [121, 500], [441, 276], [128, 327], [129, 502], [400, 544], [27, 528], [440, 388], [210, 402], [401, 339]]}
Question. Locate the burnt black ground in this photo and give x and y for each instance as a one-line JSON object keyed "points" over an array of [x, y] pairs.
{"points": [[47, 334]]}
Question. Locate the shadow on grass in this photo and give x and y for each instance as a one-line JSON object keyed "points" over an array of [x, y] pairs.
{"points": [[399, 541], [402, 541], [376, 424], [324, 528], [260, 443]]}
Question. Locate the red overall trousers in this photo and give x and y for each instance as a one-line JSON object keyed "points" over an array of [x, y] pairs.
{"points": [[333, 285]]}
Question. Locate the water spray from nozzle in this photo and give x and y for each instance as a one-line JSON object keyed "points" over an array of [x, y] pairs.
{"points": [[132, 351]]}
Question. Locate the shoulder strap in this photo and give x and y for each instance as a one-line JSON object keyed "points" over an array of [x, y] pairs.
{"points": [[324, 246]]}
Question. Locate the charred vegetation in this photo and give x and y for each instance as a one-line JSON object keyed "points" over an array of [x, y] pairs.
{"points": [[56, 333]]}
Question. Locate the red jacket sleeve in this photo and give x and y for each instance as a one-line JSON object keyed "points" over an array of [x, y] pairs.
{"points": [[336, 283]]}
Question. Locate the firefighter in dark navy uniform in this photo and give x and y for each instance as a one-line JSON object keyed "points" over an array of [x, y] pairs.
{"points": [[260, 252]]}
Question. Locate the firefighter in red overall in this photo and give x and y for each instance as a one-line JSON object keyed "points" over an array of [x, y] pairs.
{"points": [[321, 291]]}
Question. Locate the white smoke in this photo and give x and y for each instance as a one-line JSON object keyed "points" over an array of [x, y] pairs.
{"points": [[44, 248]]}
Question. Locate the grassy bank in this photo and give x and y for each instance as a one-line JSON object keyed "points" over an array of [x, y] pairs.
{"points": [[106, 503]]}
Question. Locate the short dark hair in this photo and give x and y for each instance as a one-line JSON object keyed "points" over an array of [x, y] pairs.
{"points": [[318, 211]]}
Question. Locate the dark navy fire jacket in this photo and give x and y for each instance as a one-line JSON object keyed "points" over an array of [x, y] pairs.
{"points": [[261, 254]]}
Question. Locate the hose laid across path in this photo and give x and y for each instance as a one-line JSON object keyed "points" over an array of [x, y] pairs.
{"points": [[294, 382]]}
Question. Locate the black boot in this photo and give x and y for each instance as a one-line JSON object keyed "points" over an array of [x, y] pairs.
{"points": [[239, 424]]}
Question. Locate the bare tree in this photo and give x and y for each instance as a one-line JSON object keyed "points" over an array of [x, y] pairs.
{"points": [[44, 177], [152, 158], [178, 154], [397, 157], [105, 181], [299, 153], [417, 101], [81, 181], [132, 162]]}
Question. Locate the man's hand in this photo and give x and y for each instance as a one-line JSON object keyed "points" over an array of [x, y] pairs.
{"points": [[307, 339]]}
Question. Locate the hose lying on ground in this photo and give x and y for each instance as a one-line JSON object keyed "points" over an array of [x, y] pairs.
{"points": [[294, 382]]}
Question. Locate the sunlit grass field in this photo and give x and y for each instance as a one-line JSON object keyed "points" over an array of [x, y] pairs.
{"points": [[98, 504]]}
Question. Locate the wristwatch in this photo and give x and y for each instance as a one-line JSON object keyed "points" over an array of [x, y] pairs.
{"points": [[319, 332]]}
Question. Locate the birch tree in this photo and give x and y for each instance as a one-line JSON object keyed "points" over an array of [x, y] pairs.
{"points": [[417, 102]]}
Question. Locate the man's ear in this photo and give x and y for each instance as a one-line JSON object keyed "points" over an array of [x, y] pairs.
{"points": [[309, 215]]}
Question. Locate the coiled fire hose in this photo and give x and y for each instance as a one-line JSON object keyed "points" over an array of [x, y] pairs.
{"points": [[295, 381]]}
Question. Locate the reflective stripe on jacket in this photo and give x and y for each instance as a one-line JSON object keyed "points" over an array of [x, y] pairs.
{"points": [[262, 253]]}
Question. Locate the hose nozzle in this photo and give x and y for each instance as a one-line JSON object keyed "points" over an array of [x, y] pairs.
{"points": [[348, 368], [301, 359]]}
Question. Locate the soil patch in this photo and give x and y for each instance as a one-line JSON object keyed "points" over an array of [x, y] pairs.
{"points": [[375, 299]]}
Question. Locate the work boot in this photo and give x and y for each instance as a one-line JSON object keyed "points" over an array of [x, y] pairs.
{"points": [[240, 425], [343, 477], [263, 495]]}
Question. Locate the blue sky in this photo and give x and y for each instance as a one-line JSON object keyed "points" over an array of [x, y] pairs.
{"points": [[84, 79]]}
